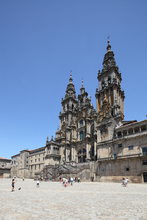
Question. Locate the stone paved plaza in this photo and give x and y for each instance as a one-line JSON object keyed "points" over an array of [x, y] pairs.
{"points": [[82, 201]]}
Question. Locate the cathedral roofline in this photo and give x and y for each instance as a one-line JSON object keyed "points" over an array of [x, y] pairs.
{"points": [[132, 124]]}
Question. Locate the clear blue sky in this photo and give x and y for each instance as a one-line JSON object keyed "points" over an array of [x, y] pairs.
{"points": [[41, 41]]}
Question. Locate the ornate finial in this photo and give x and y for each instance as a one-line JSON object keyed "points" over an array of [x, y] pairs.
{"points": [[108, 42], [82, 89], [52, 138], [70, 78], [47, 140], [82, 84]]}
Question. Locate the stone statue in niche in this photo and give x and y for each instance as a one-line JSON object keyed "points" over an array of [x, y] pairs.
{"points": [[105, 111]]}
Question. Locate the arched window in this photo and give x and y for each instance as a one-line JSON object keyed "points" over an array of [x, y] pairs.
{"points": [[82, 135], [81, 123]]}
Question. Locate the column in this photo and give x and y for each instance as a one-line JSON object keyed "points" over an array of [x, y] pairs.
{"points": [[87, 151], [95, 150]]}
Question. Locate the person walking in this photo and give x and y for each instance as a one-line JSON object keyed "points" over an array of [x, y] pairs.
{"points": [[79, 180], [13, 184], [37, 183], [123, 181], [71, 181], [126, 181]]}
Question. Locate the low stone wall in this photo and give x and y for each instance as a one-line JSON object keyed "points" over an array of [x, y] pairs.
{"points": [[132, 179], [6, 175]]}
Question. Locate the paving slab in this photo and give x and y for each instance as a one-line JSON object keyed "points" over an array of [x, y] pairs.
{"points": [[82, 201]]}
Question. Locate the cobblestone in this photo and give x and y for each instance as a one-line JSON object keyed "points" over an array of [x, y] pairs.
{"points": [[82, 201]]}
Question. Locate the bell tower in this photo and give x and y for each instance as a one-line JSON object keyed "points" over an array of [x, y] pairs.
{"points": [[109, 96], [67, 132], [68, 104]]}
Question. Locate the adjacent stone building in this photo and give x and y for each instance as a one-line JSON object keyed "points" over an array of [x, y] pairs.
{"points": [[110, 147], [5, 167]]}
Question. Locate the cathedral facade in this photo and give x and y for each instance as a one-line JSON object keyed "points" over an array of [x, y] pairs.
{"points": [[101, 138]]}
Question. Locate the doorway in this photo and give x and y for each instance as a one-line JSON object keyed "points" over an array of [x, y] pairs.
{"points": [[145, 177]]}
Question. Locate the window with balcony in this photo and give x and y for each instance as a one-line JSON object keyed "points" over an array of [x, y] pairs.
{"points": [[144, 151], [130, 131], [143, 128], [144, 162], [124, 133], [136, 130]]}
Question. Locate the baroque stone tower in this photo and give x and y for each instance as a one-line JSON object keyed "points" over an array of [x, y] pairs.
{"points": [[77, 126], [67, 133], [86, 115], [109, 98]]}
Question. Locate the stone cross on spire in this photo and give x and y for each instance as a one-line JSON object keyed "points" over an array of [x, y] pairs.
{"points": [[82, 84], [70, 89], [82, 87], [70, 78], [108, 46], [108, 42]]}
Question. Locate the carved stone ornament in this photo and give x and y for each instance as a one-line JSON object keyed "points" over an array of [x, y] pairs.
{"points": [[105, 111]]}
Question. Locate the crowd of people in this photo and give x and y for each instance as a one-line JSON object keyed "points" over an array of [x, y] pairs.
{"points": [[69, 181], [65, 181]]}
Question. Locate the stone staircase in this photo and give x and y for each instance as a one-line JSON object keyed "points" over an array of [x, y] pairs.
{"points": [[66, 170]]}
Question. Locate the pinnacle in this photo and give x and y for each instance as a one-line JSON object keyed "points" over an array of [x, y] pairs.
{"points": [[70, 78], [108, 46]]}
